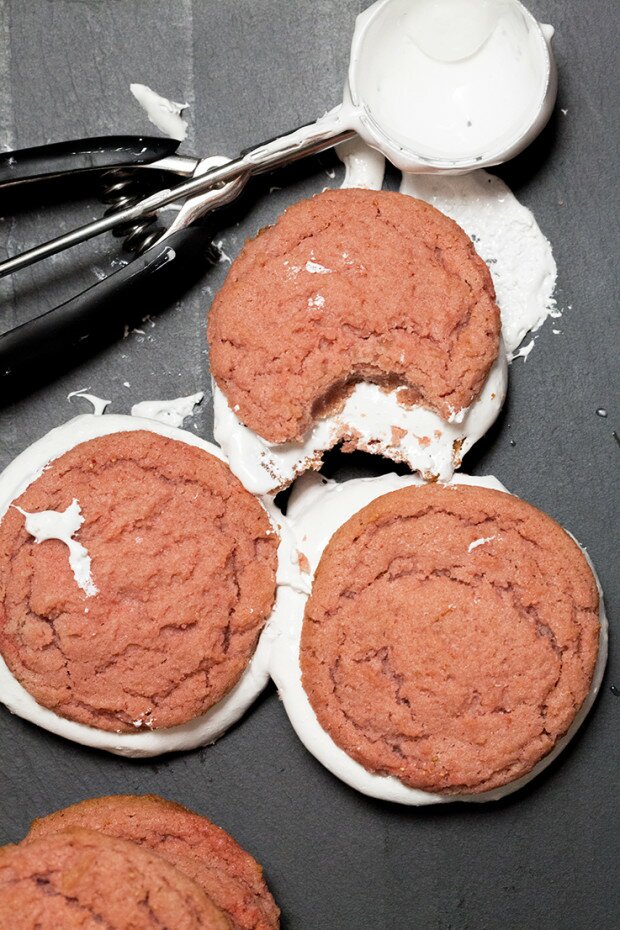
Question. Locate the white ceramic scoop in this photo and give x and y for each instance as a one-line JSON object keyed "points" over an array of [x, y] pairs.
{"points": [[449, 85]]}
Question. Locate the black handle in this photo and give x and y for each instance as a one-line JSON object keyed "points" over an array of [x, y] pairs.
{"points": [[60, 158], [54, 333]]}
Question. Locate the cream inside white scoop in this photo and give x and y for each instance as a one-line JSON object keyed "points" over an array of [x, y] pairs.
{"points": [[448, 80]]}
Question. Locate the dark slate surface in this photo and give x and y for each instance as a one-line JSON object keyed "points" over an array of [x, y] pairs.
{"points": [[546, 858]]}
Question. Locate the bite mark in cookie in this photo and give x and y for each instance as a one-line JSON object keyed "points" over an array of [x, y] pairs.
{"points": [[405, 300]]}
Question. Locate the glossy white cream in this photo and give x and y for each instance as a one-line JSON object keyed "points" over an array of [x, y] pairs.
{"points": [[163, 113], [376, 422], [25, 469], [63, 525], [448, 80], [316, 509], [172, 412], [99, 404], [363, 166]]}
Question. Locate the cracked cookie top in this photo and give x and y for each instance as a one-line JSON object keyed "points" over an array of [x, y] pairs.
{"points": [[208, 855], [82, 879], [352, 285], [450, 638], [183, 561]]}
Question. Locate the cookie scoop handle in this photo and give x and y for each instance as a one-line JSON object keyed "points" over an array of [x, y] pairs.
{"points": [[327, 131], [309, 139], [58, 159], [50, 339]]}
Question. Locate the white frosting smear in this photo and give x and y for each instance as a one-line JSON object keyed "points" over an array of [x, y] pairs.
{"points": [[63, 525], [451, 79], [316, 509], [98, 403], [364, 167], [163, 113], [480, 542], [506, 236], [316, 268], [172, 412], [524, 351]]}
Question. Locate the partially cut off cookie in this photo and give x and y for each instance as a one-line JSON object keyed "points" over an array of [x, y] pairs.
{"points": [[229, 875], [83, 880]]}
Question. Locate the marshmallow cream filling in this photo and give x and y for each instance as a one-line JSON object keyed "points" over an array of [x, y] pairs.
{"points": [[316, 509], [25, 469], [163, 113], [377, 423]]}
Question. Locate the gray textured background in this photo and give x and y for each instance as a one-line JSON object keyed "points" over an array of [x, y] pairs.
{"points": [[547, 857]]}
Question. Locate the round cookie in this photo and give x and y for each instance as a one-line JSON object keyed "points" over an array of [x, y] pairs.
{"points": [[450, 638], [83, 879], [208, 855], [183, 562], [352, 285]]}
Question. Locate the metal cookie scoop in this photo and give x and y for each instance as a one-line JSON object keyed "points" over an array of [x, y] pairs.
{"points": [[124, 162], [363, 111]]}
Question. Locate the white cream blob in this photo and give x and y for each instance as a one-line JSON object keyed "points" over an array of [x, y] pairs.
{"points": [[205, 729], [479, 542], [524, 351], [316, 268], [172, 412], [163, 113], [316, 509], [506, 236], [449, 80], [363, 166], [98, 403], [63, 525]]}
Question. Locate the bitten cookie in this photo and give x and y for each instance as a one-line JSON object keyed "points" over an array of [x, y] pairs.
{"points": [[83, 880], [450, 638], [150, 615], [208, 855], [352, 285]]}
